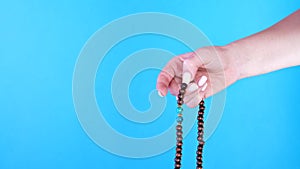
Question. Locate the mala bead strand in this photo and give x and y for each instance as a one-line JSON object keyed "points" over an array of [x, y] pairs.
{"points": [[179, 133], [200, 134]]}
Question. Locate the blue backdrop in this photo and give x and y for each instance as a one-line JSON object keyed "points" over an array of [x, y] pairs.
{"points": [[40, 42]]}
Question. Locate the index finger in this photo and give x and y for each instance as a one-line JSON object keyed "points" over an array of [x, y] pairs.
{"points": [[163, 82]]}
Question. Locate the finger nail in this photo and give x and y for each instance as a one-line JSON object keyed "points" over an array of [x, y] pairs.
{"points": [[204, 87], [186, 77], [159, 93], [193, 87], [202, 80]]}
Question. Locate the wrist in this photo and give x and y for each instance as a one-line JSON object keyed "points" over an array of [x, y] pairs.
{"points": [[233, 63]]}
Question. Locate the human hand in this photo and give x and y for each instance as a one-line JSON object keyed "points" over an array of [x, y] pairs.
{"points": [[206, 71]]}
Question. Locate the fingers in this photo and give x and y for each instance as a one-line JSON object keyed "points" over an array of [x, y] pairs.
{"points": [[167, 75], [184, 66], [189, 71], [163, 82], [174, 87], [194, 61], [171, 71], [191, 64]]}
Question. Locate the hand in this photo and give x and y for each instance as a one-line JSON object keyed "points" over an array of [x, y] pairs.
{"points": [[271, 49], [207, 71]]}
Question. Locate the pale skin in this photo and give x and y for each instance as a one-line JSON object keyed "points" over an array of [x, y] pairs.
{"points": [[272, 49]]}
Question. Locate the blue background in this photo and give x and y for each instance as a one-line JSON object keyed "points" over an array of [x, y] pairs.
{"points": [[40, 42]]}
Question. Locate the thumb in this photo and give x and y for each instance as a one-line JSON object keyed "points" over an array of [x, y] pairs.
{"points": [[190, 68]]}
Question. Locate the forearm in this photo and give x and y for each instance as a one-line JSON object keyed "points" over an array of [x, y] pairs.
{"points": [[274, 48]]}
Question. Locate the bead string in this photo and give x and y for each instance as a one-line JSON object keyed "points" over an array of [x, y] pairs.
{"points": [[200, 137], [179, 126], [179, 132]]}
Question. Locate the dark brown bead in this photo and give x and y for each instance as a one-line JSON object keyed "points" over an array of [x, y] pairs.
{"points": [[200, 128], [200, 146], [200, 132], [199, 157], [179, 138], [178, 127], [183, 86], [200, 114], [179, 143], [199, 138], [181, 91], [180, 96], [178, 149], [179, 102], [200, 123], [177, 165], [201, 143], [179, 133], [178, 155]]}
